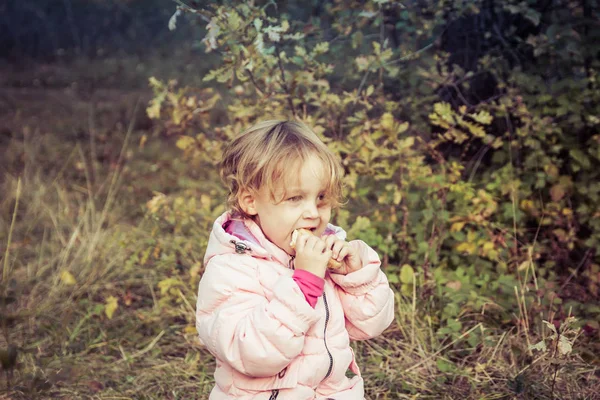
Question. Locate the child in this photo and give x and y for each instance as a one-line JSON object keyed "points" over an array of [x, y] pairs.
{"points": [[277, 321]]}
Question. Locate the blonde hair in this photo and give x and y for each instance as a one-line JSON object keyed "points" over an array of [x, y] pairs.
{"points": [[268, 153]]}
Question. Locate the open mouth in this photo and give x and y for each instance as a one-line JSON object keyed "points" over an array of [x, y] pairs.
{"points": [[313, 230]]}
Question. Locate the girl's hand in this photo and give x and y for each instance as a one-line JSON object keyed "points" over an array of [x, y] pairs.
{"points": [[312, 255], [344, 253]]}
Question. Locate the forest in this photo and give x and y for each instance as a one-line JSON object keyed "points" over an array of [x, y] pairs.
{"points": [[469, 135]]}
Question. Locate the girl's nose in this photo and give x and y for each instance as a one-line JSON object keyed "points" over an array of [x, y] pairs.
{"points": [[311, 210]]}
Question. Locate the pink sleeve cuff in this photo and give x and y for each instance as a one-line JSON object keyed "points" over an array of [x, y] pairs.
{"points": [[310, 285]]}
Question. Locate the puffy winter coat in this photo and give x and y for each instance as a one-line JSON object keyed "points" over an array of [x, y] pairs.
{"points": [[269, 343]]}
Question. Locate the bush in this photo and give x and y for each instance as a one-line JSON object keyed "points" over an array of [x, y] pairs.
{"points": [[484, 212]]}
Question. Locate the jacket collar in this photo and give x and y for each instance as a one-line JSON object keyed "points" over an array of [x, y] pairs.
{"points": [[248, 238]]}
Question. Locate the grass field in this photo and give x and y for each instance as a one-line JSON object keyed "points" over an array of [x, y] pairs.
{"points": [[98, 296]]}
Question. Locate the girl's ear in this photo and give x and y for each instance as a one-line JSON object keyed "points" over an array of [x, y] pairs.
{"points": [[247, 201]]}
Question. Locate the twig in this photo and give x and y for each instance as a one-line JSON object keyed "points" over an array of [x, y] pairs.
{"points": [[285, 85], [443, 348], [146, 349], [251, 75], [411, 55], [192, 10], [69, 9], [364, 79], [5, 268], [581, 263]]}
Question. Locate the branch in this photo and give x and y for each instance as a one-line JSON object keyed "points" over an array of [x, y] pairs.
{"points": [[411, 55], [192, 10], [251, 75], [284, 83]]}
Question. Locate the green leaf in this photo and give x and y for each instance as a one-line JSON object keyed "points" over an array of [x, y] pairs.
{"points": [[540, 346], [581, 158], [387, 121], [393, 278], [564, 345], [444, 366], [454, 324], [550, 326], [234, 21], [407, 274], [320, 48], [533, 15], [483, 117]]}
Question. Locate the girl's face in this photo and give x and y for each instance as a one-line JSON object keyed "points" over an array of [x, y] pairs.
{"points": [[305, 205]]}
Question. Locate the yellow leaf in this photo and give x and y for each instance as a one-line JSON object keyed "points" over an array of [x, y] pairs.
{"points": [[154, 82], [387, 121], [184, 142], [466, 247], [557, 192], [362, 63], [474, 129], [444, 111], [143, 140], [402, 128], [67, 278], [406, 143], [527, 205], [457, 226], [551, 170], [487, 246], [153, 110], [523, 266], [191, 102], [177, 116], [156, 202], [397, 197], [190, 329], [112, 303], [483, 117]]}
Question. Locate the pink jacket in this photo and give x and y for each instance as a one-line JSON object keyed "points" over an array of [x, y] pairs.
{"points": [[269, 343]]}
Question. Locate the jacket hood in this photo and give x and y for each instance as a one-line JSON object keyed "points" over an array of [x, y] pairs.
{"points": [[247, 237]]}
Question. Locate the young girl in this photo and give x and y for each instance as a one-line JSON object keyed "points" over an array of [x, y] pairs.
{"points": [[278, 322]]}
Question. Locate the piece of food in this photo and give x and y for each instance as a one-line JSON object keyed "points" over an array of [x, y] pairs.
{"points": [[332, 263]]}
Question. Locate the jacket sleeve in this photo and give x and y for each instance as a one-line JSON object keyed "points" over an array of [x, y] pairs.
{"points": [[240, 326], [366, 296]]}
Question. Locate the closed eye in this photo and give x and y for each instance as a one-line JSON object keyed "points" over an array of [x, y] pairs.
{"points": [[294, 198]]}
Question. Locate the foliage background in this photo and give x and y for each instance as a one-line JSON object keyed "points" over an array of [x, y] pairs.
{"points": [[468, 131]]}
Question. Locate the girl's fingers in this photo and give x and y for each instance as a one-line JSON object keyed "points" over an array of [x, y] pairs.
{"points": [[319, 246], [330, 242], [340, 250], [301, 243], [315, 244]]}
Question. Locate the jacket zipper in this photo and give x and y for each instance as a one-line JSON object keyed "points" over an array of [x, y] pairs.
{"points": [[325, 337]]}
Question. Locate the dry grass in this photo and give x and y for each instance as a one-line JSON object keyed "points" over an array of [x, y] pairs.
{"points": [[80, 237]]}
